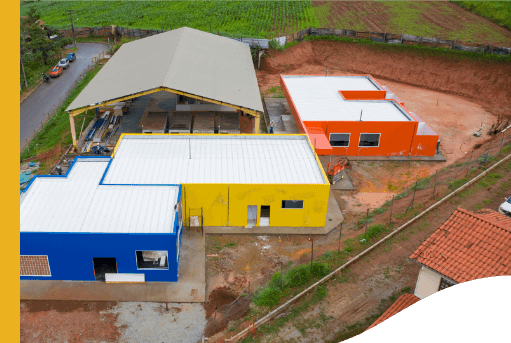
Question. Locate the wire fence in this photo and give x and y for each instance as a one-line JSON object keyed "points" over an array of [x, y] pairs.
{"points": [[222, 315], [112, 31], [411, 201]]}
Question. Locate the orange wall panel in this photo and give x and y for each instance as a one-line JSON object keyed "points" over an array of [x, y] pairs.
{"points": [[395, 137], [424, 145]]}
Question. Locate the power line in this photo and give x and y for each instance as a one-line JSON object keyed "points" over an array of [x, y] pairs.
{"points": [[72, 28]]}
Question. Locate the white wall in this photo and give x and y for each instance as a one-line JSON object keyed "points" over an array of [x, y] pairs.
{"points": [[427, 283]]}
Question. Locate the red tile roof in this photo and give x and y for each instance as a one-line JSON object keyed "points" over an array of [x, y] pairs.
{"points": [[399, 305], [495, 216], [469, 246]]}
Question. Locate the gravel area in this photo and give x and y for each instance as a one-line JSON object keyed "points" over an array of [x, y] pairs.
{"points": [[151, 322]]}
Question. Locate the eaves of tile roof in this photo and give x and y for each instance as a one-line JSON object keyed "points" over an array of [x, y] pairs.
{"points": [[399, 305], [468, 246]]}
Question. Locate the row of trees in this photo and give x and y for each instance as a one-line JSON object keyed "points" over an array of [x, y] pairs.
{"points": [[37, 50]]}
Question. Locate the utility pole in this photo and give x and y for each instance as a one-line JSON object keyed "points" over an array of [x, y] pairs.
{"points": [[72, 28], [23, 68]]}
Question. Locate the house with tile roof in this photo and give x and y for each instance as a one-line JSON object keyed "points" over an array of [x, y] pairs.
{"points": [[466, 247], [399, 305]]}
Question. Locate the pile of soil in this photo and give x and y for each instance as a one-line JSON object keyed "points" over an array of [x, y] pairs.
{"points": [[220, 310], [486, 83]]}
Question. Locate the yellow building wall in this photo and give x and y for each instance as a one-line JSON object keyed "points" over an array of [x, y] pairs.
{"points": [[227, 205], [212, 198]]}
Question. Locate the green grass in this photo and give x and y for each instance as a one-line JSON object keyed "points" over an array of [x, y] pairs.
{"points": [[231, 245], [257, 19], [57, 130], [498, 12], [271, 294], [276, 92], [419, 50], [33, 72]]}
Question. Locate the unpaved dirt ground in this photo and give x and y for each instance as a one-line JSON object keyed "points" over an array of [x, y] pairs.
{"points": [[67, 321], [103, 321], [484, 83], [426, 18], [364, 288]]}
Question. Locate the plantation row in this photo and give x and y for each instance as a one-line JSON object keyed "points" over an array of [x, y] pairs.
{"points": [[257, 19]]}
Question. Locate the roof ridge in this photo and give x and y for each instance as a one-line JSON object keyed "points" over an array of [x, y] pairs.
{"points": [[173, 53], [485, 219]]}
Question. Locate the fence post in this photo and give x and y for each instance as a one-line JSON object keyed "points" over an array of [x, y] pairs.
{"points": [[280, 275], [340, 232], [402, 34], [391, 207], [367, 218], [487, 154], [413, 197], [470, 160]]}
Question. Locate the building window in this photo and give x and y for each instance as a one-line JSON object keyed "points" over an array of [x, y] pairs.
{"points": [[369, 139], [152, 259], [445, 284], [340, 139], [292, 203], [31, 265]]}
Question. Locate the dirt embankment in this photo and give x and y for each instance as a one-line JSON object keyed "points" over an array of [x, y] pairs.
{"points": [[487, 83]]}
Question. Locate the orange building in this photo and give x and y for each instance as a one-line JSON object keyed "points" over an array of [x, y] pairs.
{"points": [[353, 115]]}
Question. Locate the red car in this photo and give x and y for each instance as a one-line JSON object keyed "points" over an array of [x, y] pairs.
{"points": [[56, 71]]}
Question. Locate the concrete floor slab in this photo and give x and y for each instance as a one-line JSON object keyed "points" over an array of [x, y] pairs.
{"points": [[190, 288], [344, 184], [333, 218]]}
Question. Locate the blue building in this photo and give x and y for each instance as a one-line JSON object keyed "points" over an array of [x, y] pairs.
{"points": [[75, 227]]}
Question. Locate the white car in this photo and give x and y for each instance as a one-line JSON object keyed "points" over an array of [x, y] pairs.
{"points": [[64, 63], [505, 207]]}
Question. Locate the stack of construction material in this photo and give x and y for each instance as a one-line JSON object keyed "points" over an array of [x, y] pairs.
{"points": [[155, 122], [180, 122], [229, 122], [117, 108], [204, 122]]}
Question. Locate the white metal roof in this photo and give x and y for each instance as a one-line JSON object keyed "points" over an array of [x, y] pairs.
{"points": [[249, 159], [78, 203], [318, 98], [184, 59]]}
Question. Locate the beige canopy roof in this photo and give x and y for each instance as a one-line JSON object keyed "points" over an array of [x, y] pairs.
{"points": [[184, 60]]}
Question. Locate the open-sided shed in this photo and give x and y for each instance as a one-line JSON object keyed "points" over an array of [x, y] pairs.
{"points": [[184, 61]]}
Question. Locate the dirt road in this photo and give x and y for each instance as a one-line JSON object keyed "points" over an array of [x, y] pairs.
{"points": [[49, 96]]}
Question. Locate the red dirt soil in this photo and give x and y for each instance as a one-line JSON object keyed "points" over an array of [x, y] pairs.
{"points": [[445, 17], [486, 83], [67, 321]]}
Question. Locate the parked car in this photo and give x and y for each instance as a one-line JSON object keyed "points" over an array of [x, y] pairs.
{"points": [[64, 63], [505, 207], [71, 57], [56, 71]]}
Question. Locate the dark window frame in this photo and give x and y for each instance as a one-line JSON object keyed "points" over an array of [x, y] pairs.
{"points": [[339, 133], [292, 208], [369, 146], [165, 267]]}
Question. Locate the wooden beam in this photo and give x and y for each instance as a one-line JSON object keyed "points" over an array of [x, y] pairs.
{"points": [[73, 131], [257, 123], [83, 109]]}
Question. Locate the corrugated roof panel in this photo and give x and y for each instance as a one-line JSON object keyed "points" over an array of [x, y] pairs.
{"points": [[214, 159], [318, 98], [77, 203]]}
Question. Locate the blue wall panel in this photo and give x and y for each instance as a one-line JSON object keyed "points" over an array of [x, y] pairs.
{"points": [[70, 254]]}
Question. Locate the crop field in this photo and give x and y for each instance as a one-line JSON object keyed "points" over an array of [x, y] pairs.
{"points": [[425, 18], [256, 19], [267, 19]]}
